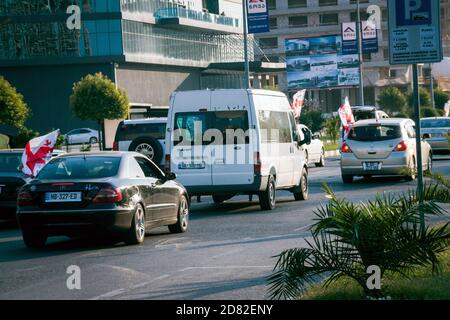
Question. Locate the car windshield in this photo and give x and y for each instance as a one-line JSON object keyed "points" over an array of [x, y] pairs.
{"points": [[10, 162], [435, 123], [363, 115], [80, 167], [375, 133]]}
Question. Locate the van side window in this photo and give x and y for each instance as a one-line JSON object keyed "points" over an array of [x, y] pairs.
{"points": [[295, 133], [275, 126]]}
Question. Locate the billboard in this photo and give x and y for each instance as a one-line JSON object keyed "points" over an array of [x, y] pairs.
{"points": [[257, 16], [316, 63]]}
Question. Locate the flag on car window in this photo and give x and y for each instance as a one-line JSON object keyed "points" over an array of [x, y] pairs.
{"points": [[297, 103], [447, 109], [346, 115], [38, 152]]}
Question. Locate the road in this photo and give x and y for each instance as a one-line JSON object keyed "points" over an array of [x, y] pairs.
{"points": [[226, 254]]}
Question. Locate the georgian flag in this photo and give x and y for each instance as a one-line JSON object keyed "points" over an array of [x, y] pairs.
{"points": [[297, 103], [346, 115], [38, 152]]}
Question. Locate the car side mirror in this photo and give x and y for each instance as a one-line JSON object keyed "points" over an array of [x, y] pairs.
{"points": [[171, 176], [426, 136], [307, 137]]}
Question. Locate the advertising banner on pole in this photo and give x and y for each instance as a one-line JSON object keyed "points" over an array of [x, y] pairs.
{"points": [[369, 37], [257, 16], [349, 38]]}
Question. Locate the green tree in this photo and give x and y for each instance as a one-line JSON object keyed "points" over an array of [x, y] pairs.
{"points": [[95, 97], [425, 98], [429, 112], [392, 100], [312, 119], [332, 128], [441, 98], [13, 110]]}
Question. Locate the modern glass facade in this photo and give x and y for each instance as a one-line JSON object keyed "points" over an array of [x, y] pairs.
{"points": [[104, 32]]}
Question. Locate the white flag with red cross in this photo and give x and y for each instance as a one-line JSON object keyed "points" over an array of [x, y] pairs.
{"points": [[38, 152], [297, 103], [346, 115]]}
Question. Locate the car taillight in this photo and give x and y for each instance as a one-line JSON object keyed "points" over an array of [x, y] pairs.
{"points": [[24, 198], [115, 146], [167, 164], [402, 146], [108, 194], [345, 148], [257, 163]]}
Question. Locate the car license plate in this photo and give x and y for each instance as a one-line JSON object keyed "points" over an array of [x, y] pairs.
{"points": [[191, 165], [63, 197], [371, 166]]}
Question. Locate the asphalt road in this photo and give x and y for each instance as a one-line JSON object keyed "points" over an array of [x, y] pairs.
{"points": [[226, 254]]}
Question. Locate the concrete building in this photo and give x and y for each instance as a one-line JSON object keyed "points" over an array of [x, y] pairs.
{"points": [[149, 48], [310, 18]]}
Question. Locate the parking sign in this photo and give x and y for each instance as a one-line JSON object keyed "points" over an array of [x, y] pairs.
{"points": [[414, 31]]}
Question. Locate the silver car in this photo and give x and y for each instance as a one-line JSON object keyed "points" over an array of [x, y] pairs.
{"points": [[383, 147], [436, 131]]}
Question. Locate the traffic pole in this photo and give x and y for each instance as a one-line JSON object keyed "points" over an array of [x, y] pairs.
{"points": [[418, 143], [246, 80]]}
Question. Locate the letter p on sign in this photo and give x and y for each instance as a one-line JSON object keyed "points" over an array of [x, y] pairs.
{"points": [[411, 6]]}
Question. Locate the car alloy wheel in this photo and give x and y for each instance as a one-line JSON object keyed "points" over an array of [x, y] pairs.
{"points": [[140, 224], [184, 213], [146, 150]]}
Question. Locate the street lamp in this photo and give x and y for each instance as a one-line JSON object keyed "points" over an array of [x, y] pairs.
{"points": [[360, 54]]}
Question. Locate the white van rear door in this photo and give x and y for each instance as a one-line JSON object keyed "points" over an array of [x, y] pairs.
{"points": [[232, 158], [190, 159]]}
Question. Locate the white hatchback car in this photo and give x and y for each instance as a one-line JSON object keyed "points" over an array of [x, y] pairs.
{"points": [[81, 135], [382, 147]]}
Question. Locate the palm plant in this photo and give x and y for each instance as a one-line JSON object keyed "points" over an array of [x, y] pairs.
{"points": [[348, 238]]}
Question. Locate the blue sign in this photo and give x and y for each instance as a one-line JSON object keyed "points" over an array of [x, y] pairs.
{"points": [[349, 38], [350, 41], [369, 38], [413, 12], [257, 16]]}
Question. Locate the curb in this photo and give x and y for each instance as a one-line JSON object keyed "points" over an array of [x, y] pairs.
{"points": [[333, 153]]}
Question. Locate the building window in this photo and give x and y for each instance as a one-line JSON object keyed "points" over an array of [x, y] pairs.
{"points": [[268, 43], [360, 1], [298, 21], [272, 4], [329, 19], [324, 3], [367, 57], [270, 58], [386, 54], [273, 23], [354, 16], [392, 73], [297, 3]]}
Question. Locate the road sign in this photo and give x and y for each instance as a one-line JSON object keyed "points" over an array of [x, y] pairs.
{"points": [[257, 16], [414, 31]]}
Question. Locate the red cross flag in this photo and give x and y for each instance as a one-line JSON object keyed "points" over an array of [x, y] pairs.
{"points": [[297, 103], [38, 152], [346, 115]]}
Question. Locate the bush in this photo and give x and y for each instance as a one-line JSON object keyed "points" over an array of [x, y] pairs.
{"points": [[13, 110], [332, 129], [429, 112], [348, 238], [424, 97], [22, 138], [392, 100], [440, 98]]}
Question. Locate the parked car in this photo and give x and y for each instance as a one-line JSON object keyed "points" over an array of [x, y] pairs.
{"points": [[382, 147], [81, 135], [436, 131], [208, 161], [315, 151], [110, 193], [146, 136], [11, 180]]}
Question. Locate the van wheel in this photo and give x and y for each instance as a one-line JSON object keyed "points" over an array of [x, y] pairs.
{"points": [[149, 147], [34, 239], [267, 198], [347, 178], [218, 199], [182, 217], [321, 162], [301, 191]]}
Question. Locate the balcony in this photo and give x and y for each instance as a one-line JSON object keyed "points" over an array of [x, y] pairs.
{"points": [[179, 17]]}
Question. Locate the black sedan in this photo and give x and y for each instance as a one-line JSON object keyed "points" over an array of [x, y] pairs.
{"points": [[100, 193], [11, 180]]}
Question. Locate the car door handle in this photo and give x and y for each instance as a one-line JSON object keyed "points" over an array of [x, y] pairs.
{"points": [[237, 148]]}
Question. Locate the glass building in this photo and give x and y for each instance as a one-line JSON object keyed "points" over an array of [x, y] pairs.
{"points": [[147, 47]]}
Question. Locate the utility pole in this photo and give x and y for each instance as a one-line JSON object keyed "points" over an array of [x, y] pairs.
{"points": [[246, 80], [360, 54]]}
